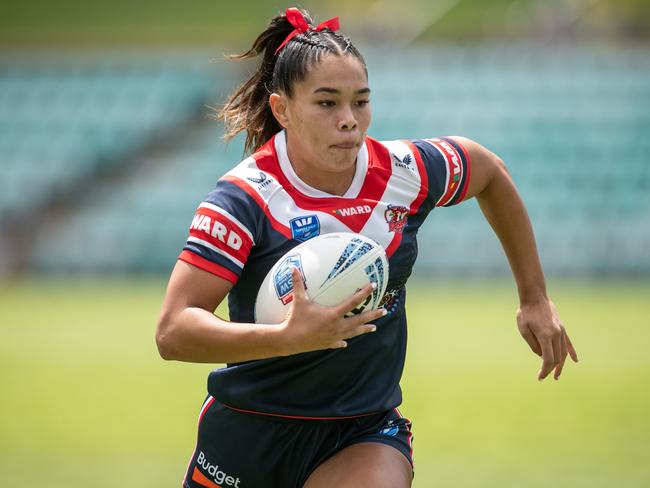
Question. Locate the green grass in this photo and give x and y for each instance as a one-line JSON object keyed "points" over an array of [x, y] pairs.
{"points": [[86, 401]]}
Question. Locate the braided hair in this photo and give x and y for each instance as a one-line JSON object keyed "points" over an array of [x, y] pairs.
{"points": [[248, 109]]}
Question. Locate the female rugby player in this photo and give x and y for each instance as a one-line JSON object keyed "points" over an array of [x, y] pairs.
{"points": [[313, 401]]}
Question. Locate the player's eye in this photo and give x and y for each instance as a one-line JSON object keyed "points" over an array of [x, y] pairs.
{"points": [[326, 103], [362, 103]]}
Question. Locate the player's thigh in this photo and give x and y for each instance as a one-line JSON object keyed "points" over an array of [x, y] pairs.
{"points": [[363, 465]]}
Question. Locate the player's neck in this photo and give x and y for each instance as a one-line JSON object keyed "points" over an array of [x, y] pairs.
{"points": [[332, 181]]}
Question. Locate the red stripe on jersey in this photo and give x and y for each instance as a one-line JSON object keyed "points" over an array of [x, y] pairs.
{"points": [[352, 212], [380, 169], [296, 416], [424, 179], [463, 190], [277, 225], [394, 244], [221, 232], [205, 408], [206, 405], [206, 265], [454, 169], [415, 204]]}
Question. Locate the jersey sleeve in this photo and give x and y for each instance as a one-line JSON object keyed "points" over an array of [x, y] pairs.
{"points": [[222, 232], [448, 170]]}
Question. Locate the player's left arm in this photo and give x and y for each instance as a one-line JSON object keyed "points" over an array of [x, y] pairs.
{"points": [[537, 317]]}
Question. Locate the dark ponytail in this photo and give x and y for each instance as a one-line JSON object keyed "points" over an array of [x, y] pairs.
{"points": [[248, 109]]}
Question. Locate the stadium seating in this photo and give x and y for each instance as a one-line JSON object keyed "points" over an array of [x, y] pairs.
{"points": [[572, 125], [65, 118], [140, 226]]}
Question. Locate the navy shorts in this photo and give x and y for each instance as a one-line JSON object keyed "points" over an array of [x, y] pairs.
{"points": [[246, 450]]}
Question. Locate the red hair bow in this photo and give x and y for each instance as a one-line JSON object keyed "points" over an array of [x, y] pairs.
{"points": [[296, 19]]}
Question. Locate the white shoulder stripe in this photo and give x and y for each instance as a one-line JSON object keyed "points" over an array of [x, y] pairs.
{"points": [[229, 216], [264, 184], [214, 248]]}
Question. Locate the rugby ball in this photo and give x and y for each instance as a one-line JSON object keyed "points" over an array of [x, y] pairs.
{"points": [[333, 267]]}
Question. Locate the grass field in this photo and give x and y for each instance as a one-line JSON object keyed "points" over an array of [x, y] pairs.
{"points": [[87, 402]]}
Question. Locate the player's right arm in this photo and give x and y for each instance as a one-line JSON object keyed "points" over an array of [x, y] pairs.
{"points": [[224, 230], [189, 331]]}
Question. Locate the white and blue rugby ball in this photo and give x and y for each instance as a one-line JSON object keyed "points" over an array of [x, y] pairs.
{"points": [[333, 266]]}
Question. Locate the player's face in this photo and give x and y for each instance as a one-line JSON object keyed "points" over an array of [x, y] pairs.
{"points": [[328, 115]]}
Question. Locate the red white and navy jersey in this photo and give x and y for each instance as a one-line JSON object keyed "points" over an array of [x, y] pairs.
{"points": [[261, 209]]}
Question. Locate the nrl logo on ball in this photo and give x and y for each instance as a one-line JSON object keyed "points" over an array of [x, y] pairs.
{"points": [[282, 278]]}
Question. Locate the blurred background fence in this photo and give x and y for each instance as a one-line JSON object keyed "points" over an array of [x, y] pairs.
{"points": [[105, 150]]}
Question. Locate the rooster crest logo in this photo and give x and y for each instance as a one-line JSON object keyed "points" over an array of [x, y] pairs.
{"points": [[396, 217]]}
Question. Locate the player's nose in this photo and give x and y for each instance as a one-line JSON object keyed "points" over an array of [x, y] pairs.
{"points": [[347, 121]]}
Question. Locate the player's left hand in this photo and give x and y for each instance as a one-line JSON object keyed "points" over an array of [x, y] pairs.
{"points": [[541, 327]]}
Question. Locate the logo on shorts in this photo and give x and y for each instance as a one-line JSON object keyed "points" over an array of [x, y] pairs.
{"points": [[396, 216], [304, 228], [390, 300], [282, 278], [389, 429], [218, 479]]}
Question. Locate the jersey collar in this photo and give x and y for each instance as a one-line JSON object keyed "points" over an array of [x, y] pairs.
{"points": [[280, 142]]}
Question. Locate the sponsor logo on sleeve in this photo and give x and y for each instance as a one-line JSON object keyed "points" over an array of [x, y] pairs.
{"points": [[282, 278], [216, 229], [304, 228], [396, 217], [455, 169], [454, 160]]}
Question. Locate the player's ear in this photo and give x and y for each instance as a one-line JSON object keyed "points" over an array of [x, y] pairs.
{"points": [[278, 103]]}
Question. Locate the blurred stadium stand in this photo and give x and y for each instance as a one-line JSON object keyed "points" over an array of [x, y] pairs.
{"points": [[573, 126], [64, 119], [110, 155]]}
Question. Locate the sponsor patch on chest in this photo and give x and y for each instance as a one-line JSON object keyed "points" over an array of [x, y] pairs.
{"points": [[305, 227], [354, 210]]}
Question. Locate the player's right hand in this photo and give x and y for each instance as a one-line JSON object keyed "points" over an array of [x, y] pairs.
{"points": [[310, 326]]}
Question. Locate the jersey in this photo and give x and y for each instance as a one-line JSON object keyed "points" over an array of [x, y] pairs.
{"points": [[261, 209]]}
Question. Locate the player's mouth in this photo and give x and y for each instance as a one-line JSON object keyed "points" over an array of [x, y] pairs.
{"points": [[346, 145]]}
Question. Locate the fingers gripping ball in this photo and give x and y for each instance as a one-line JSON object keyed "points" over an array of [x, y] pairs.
{"points": [[333, 267]]}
